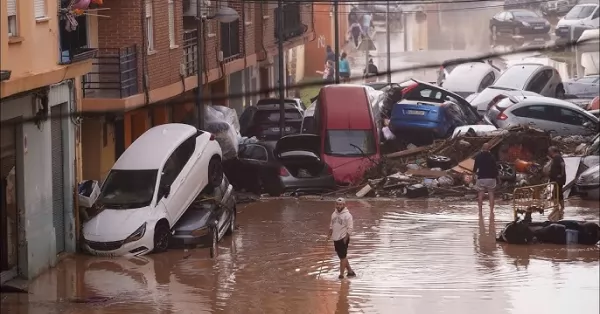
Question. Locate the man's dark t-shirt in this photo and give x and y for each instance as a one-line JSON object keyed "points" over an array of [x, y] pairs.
{"points": [[485, 166], [557, 170]]}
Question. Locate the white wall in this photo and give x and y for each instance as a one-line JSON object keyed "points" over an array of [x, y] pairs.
{"points": [[34, 183]]}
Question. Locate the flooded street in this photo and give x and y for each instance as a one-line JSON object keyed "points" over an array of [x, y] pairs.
{"points": [[426, 256]]}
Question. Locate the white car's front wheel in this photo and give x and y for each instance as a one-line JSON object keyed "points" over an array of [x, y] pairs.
{"points": [[162, 235]]}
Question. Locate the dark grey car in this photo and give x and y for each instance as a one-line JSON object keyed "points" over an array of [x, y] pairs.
{"points": [[208, 219]]}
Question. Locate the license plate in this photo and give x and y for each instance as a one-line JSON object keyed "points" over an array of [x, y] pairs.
{"points": [[287, 129], [538, 27], [416, 112]]}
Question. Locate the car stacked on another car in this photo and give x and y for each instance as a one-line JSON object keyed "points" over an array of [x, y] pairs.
{"points": [[149, 189], [549, 114], [263, 120], [469, 78]]}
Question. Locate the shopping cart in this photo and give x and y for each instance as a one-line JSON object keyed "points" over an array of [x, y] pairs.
{"points": [[535, 198]]}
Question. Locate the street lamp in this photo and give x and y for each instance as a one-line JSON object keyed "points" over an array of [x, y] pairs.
{"points": [[223, 15]]}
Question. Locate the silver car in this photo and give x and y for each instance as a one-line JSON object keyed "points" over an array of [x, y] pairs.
{"points": [[553, 115], [469, 78], [583, 87], [533, 77]]}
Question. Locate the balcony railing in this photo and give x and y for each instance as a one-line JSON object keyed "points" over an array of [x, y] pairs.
{"points": [[230, 40], [292, 21], [114, 74], [190, 52]]}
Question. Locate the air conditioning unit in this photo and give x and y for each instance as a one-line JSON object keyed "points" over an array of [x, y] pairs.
{"points": [[190, 7]]}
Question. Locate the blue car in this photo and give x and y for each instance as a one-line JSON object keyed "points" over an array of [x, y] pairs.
{"points": [[428, 111]]}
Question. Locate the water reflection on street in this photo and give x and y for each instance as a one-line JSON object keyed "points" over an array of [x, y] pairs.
{"points": [[411, 257]]}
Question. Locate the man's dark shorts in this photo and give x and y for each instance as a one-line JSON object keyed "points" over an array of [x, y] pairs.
{"points": [[559, 190], [341, 248]]}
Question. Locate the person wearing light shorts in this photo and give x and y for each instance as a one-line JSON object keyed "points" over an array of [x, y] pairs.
{"points": [[487, 175]]}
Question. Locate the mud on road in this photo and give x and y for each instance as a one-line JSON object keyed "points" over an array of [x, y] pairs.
{"points": [[423, 256]]}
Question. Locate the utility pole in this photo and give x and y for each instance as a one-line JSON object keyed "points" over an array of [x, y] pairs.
{"points": [[387, 33], [405, 30], [280, 58], [199, 65], [336, 39]]}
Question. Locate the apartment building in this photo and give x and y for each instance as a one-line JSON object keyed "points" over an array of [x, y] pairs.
{"points": [[42, 60], [145, 73]]}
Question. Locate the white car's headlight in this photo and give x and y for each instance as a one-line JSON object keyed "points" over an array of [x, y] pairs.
{"points": [[136, 235], [526, 24]]}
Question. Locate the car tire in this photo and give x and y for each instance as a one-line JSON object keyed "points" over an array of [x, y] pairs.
{"points": [[560, 92], [232, 223], [215, 173], [214, 240], [436, 161], [162, 237]]}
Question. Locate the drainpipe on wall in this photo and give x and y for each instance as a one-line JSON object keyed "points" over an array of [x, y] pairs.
{"points": [[77, 122]]}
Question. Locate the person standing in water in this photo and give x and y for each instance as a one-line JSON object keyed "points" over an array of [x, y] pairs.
{"points": [[557, 174], [487, 176], [340, 229]]}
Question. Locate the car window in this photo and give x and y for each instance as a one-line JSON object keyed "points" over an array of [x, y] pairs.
{"points": [[499, 16], [487, 81], [428, 93], [178, 159], [508, 16], [350, 143], [580, 12], [254, 152], [524, 14], [516, 76], [533, 112], [272, 116], [588, 79], [596, 14], [539, 81], [571, 117]]}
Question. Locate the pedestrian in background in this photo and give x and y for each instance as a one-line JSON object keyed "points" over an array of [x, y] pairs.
{"points": [[557, 174], [330, 55], [487, 176], [344, 68], [371, 72], [367, 19], [340, 229], [329, 72], [354, 32]]}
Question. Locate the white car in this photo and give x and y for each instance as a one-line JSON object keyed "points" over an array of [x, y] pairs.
{"points": [[583, 16], [469, 78], [150, 187]]}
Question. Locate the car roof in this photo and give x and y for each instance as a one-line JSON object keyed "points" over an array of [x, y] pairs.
{"points": [[466, 77], [343, 107], [541, 100], [151, 149]]}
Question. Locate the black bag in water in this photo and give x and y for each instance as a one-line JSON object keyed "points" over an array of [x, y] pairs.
{"points": [[516, 233], [554, 233]]}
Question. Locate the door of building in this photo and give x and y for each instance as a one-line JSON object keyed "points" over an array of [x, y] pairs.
{"points": [[58, 177], [8, 198]]}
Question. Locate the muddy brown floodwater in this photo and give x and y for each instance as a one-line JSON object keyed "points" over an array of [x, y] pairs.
{"points": [[410, 257]]}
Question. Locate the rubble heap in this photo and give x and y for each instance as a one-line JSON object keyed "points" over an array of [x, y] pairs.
{"points": [[445, 167]]}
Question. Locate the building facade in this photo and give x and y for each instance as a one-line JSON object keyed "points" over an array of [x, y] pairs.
{"points": [[41, 63], [145, 70]]}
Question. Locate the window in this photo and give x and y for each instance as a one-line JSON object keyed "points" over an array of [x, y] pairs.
{"points": [[508, 16], [487, 81], [350, 143], [539, 81], [171, 11], [428, 93], [230, 39], [596, 14], [533, 112], [580, 12], [292, 21], [149, 26], [11, 12], [525, 14], [177, 161], [254, 152], [124, 189], [571, 117], [39, 8]]}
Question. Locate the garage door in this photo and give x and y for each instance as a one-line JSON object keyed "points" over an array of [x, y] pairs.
{"points": [[58, 203]]}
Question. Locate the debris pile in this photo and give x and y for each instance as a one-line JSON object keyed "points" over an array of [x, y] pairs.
{"points": [[445, 168]]}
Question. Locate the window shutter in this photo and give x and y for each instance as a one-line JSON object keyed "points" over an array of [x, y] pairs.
{"points": [[171, 22], [39, 7], [148, 8], [11, 7]]}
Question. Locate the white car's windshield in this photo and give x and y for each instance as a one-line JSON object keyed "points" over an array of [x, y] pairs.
{"points": [[125, 189], [580, 12]]}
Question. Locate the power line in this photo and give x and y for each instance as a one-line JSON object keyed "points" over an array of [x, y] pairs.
{"points": [[355, 80]]}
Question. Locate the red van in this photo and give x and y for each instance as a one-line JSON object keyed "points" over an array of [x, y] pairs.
{"points": [[349, 138]]}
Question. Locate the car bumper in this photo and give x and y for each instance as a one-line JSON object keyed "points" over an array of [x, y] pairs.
{"points": [[112, 249], [429, 126], [534, 30], [293, 184], [183, 240]]}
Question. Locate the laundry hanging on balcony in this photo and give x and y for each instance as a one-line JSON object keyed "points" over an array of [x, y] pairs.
{"points": [[77, 8]]}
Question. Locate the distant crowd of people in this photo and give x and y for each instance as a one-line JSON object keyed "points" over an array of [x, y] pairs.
{"points": [[370, 73]]}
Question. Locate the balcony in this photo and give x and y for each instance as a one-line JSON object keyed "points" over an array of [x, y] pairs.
{"points": [[190, 52], [114, 74], [74, 43], [292, 22], [230, 41]]}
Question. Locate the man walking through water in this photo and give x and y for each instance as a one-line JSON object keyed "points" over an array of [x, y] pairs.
{"points": [[340, 230], [487, 175], [557, 174]]}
